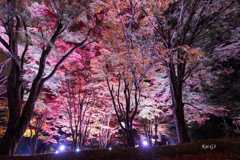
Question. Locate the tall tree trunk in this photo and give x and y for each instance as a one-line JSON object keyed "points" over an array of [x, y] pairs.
{"points": [[10, 141], [130, 140], [16, 125], [33, 145], [181, 127], [176, 86], [127, 115], [156, 126]]}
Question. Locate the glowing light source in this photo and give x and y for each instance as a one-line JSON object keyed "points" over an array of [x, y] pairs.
{"points": [[56, 152], [62, 147], [110, 148], [78, 150], [145, 143]]}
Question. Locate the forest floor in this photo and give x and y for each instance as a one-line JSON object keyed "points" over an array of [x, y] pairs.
{"points": [[200, 150]]}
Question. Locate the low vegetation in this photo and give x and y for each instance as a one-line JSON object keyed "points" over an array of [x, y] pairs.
{"points": [[204, 149]]}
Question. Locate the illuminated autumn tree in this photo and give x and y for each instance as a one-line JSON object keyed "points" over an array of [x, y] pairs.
{"points": [[125, 60], [34, 131], [190, 32], [41, 123], [105, 126], [151, 117], [31, 32], [180, 34], [78, 100], [155, 105]]}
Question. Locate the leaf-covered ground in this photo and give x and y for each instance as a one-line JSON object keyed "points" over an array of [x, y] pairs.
{"points": [[201, 150]]}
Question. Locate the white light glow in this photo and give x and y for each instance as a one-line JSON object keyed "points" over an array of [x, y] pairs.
{"points": [[62, 147], [110, 148], [145, 143], [78, 150], [56, 152]]}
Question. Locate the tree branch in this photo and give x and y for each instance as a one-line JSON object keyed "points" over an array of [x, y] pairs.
{"points": [[193, 106], [199, 17], [187, 74], [64, 57], [216, 17], [76, 15], [26, 46], [4, 43]]}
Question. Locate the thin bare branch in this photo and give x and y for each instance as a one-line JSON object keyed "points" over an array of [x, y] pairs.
{"points": [[216, 17], [187, 74], [194, 106], [71, 19], [199, 17]]}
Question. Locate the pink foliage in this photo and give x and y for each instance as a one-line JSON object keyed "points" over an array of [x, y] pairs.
{"points": [[62, 45]]}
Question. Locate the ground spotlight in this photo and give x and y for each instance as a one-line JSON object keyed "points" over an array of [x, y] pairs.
{"points": [[62, 147], [145, 143]]}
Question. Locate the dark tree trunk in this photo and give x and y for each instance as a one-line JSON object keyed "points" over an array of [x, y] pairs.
{"points": [[156, 126], [16, 127], [176, 86], [33, 146], [33, 142], [125, 114], [130, 140], [74, 143], [9, 141], [16, 124], [180, 124]]}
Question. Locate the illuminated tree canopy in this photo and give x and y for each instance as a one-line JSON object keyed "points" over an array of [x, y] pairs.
{"points": [[107, 71]]}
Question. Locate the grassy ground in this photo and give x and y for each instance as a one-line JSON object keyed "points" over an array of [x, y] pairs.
{"points": [[220, 150]]}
